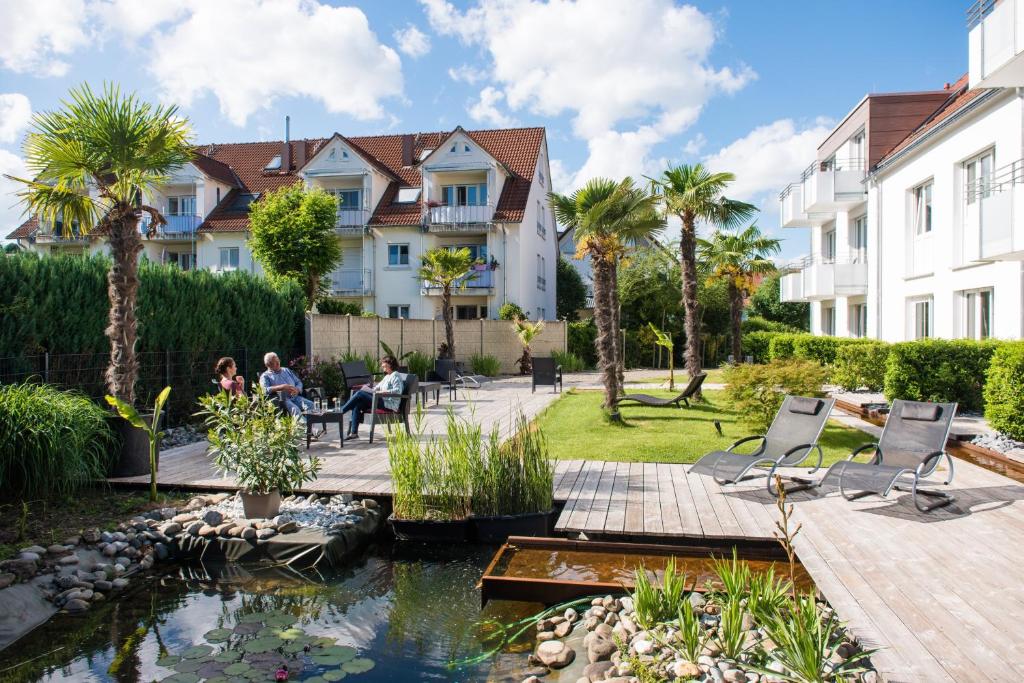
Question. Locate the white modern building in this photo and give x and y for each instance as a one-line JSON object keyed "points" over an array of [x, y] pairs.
{"points": [[915, 209], [399, 196]]}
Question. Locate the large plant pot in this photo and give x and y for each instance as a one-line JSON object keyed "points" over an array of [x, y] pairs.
{"points": [[497, 529], [133, 458], [430, 531], [261, 505]]}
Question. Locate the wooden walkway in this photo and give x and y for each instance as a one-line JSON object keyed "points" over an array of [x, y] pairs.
{"points": [[941, 594]]}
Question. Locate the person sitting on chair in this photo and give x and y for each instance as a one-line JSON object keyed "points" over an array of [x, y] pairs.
{"points": [[286, 384], [360, 401], [229, 381]]}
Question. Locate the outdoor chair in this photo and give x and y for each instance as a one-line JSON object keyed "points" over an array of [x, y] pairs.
{"points": [[547, 371], [356, 374], [381, 415], [452, 375], [793, 435], [912, 445], [692, 387]]}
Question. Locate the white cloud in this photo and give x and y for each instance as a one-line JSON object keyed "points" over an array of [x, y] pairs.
{"points": [[15, 113], [249, 54], [485, 110], [561, 178], [412, 41], [36, 34], [10, 207], [466, 74], [133, 19], [695, 144]]}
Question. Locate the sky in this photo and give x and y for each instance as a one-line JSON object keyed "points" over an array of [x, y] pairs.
{"points": [[623, 87]]}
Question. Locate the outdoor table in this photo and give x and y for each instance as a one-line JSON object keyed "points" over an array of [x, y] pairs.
{"points": [[324, 418], [426, 387]]}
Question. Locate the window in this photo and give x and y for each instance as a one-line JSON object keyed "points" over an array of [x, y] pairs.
{"points": [[399, 311], [541, 229], [923, 208], [464, 195], [424, 153], [347, 199], [459, 148], [859, 239], [977, 314], [828, 320], [978, 173], [857, 155], [398, 254], [229, 258], [859, 320], [181, 206], [218, 195], [828, 246], [242, 201], [185, 261], [921, 318], [274, 165], [540, 177], [470, 312], [477, 251], [408, 195], [542, 282]]}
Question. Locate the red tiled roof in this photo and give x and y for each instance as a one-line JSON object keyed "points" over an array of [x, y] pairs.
{"points": [[215, 169], [24, 230]]}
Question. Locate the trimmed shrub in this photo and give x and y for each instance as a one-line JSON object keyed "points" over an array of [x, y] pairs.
{"points": [[338, 307], [939, 370], [51, 441], [581, 337], [510, 311], [757, 324], [569, 361], [860, 366], [756, 344], [485, 364], [822, 349], [781, 346], [1004, 390], [757, 391], [419, 364]]}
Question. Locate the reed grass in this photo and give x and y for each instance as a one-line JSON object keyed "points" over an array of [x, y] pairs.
{"points": [[485, 364], [51, 441], [515, 477], [569, 361]]}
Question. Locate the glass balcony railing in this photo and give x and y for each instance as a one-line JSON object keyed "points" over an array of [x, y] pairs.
{"points": [[473, 283], [351, 282], [177, 226]]}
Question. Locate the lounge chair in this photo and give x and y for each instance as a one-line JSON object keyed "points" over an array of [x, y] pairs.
{"points": [[546, 371], [692, 387], [912, 445], [381, 415], [793, 435], [452, 375]]}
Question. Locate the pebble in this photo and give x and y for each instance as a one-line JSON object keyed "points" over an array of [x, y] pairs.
{"points": [[288, 527], [600, 648], [171, 528], [596, 671], [555, 654], [69, 559], [684, 669], [643, 647], [76, 605], [264, 534], [119, 583], [103, 585], [213, 517], [28, 555], [91, 535], [563, 629], [6, 579]]}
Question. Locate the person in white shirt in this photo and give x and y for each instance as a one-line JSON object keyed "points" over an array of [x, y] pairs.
{"points": [[360, 401]]}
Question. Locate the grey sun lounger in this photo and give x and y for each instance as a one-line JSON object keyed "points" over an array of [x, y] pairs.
{"points": [[912, 445], [790, 440], [646, 399]]}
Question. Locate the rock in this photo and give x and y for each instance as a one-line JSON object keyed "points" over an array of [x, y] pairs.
{"points": [[110, 549], [869, 677], [281, 519], [103, 585], [119, 584], [91, 535], [213, 517], [223, 530], [6, 579], [207, 531], [264, 534], [56, 549], [23, 569], [72, 540], [194, 528], [161, 550], [734, 676], [571, 615], [370, 504], [684, 669], [288, 527], [69, 559], [748, 622], [37, 549], [628, 624], [563, 629], [555, 654], [98, 597], [598, 612], [76, 605], [183, 518], [248, 533], [642, 646], [596, 671], [603, 631], [611, 619], [545, 635], [590, 623], [34, 557], [600, 648], [705, 660], [697, 600], [171, 528], [545, 625], [531, 679]]}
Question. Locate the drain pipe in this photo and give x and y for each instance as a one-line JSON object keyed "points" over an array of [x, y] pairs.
{"points": [[504, 260]]}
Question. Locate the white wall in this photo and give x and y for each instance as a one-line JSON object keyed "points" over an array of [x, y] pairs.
{"points": [[209, 245]]}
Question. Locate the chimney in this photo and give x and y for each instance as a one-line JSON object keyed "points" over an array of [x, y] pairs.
{"points": [[300, 153], [407, 150], [286, 147]]}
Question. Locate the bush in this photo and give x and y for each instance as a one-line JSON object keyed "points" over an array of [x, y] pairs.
{"points": [[757, 390], [860, 366], [781, 346], [325, 374], [510, 311], [569, 361], [1004, 390], [419, 364], [939, 370], [822, 349], [338, 307], [581, 338], [485, 364], [51, 441], [756, 344], [759, 324]]}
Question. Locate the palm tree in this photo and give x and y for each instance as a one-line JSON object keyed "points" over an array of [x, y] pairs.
{"points": [[737, 257], [604, 215], [94, 163], [693, 193], [446, 268], [527, 332]]}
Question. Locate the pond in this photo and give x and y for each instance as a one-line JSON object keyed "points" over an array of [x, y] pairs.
{"points": [[397, 614]]}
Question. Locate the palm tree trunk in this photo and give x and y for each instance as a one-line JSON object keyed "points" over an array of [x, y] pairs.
{"points": [[446, 314], [616, 311], [605, 334], [691, 306], [736, 320], [123, 290]]}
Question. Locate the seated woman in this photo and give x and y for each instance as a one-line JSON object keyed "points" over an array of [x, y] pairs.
{"points": [[360, 401], [229, 381]]}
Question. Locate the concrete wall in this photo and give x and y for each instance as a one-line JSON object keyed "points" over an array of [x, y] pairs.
{"points": [[335, 335]]}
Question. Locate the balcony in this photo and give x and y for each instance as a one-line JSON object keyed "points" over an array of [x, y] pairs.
{"points": [[993, 228], [57, 236], [351, 222], [832, 185], [351, 282], [178, 227], [791, 287], [791, 207], [995, 42], [477, 283], [822, 278], [467, 218]]}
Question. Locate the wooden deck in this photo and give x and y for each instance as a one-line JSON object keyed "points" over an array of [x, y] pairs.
{"points": [[940, 594]]}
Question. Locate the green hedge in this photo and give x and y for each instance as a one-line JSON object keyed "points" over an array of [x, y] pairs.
{"points": [[939, 370], [1004, 390], [780, 346], [755, 344], [767, 346], [581, 336], [860, 366]]}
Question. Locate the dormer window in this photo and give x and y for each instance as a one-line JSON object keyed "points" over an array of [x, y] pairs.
{"points": [[459, 148], [408, 195], [274, 165]]}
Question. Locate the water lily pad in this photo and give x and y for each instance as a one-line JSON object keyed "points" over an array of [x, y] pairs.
{"points": [[237, 669], [254, 618], [182, 678], [289, 633], [315, 679], [328, 660], [295, 646], [218, 635], [227, 656], [324, 641], [197, 651], [247, 628], [189, 666], [281, 620], [168, 661], [212, 669], [335, 675], [264, 644], [344, 651], [360, 665]]}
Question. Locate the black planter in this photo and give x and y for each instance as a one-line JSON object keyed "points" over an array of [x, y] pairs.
{"points": [[133, 458], [497, 529], [430, 531]]}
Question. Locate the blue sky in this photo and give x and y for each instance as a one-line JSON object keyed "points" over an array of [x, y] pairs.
{"points": [[622, 87]]}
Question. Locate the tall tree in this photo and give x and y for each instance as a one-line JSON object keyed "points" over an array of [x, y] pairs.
{"points": [[737, 257], [446, 268], [693, 193], [605, 215], [292, 236], [94, 164], [570, 291]]}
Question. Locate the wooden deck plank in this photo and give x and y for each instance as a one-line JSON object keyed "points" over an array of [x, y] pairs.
{"points": [[616, 518], [602, 497], [634, 522], [672, 523], [653, 524]]}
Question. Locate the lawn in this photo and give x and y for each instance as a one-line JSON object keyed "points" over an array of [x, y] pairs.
{"points": [[714, 376], [576, 427]]}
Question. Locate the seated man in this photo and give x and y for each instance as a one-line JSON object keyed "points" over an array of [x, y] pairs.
{"points": [[282, 381]]}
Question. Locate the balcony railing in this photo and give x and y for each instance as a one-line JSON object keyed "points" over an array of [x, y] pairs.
{"points": [[351, 221], [995, 43], [477, 282], [58, 236], [178, 227], [473, 217], [826, 277], [791, 287], [993, 227], [831, 185], [351, 282], [791, 207]]}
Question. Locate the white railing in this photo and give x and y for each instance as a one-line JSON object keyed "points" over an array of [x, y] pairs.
{"points": [[351, 282], [352, 218], [995, 39], [992, 226], [829, 184], [470, 284], [825, 276], [440, 218]]}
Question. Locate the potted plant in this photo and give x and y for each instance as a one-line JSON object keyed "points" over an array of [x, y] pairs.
{"points": [[147, 425], [479, 265], [251, 439], [512, 486]]}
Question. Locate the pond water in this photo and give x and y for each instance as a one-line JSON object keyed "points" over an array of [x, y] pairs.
{"points": [[397, 614]]}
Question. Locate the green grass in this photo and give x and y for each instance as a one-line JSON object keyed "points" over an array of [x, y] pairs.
{"points": [[715, 376], [576, 427]]}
